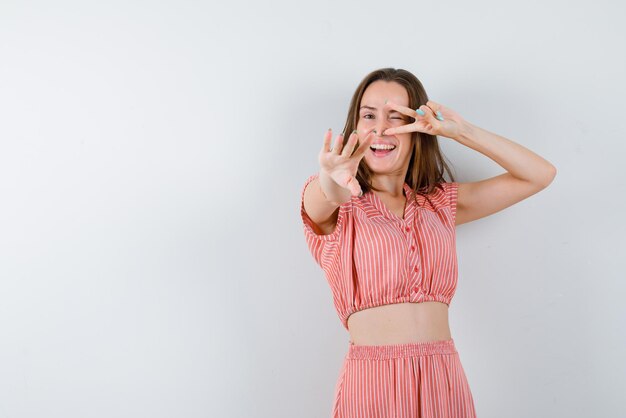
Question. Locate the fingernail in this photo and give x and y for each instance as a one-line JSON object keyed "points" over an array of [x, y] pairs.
{"points": [[420, 112], [354, 131], [439, 116], [385, 101]]}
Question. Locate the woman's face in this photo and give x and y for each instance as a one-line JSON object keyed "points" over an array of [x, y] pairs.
{"points": [[373, 114]]}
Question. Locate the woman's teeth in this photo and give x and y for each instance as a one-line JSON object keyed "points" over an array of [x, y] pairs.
{"points": [[382, 147], [382, 150]]}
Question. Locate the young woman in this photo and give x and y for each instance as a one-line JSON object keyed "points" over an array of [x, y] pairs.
{"points": [[380, 220]]}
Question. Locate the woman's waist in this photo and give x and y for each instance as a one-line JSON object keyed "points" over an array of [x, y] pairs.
{"points": [[400, 323]]}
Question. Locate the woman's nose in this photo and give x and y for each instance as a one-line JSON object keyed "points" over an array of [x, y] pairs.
{"points": [[381, 125]]}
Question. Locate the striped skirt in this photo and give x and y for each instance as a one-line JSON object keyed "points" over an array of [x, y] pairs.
{"points": [[413, 380]]}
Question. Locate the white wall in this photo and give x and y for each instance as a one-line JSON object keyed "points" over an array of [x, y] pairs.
{"points": [[152, 154]]}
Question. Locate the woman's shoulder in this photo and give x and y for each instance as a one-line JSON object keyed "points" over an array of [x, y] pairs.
{"points": [[440, 195]]}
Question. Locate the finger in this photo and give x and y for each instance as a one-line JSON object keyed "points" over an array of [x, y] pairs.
{"points": [[402, 109], [327, 137], [349, 147], [400, 129], [364, 146], [436, 108], [429, 116], [338, 144]]}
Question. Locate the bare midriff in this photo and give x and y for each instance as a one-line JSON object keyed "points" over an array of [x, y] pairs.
{"points": [[400, 323]]}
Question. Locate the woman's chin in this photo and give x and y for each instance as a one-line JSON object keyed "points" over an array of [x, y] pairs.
{"points": [[380, 163]]}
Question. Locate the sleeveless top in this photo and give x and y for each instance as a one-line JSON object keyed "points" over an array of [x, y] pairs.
{"points": [[373, 257]]}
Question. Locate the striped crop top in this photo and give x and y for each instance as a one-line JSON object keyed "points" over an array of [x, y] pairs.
{"points": [[373, 257]]}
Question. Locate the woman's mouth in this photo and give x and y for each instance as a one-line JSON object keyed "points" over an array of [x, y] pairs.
{"points": [[382, 150]]}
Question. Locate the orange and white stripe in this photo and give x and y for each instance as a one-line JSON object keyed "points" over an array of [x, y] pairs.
{"points": [[414, 380], [373, 257]]}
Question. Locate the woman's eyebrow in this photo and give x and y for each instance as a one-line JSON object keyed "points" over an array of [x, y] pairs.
{"points": [[373, 108]]}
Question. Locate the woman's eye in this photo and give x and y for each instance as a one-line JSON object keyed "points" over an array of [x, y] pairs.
{"points": [[369, 114]]}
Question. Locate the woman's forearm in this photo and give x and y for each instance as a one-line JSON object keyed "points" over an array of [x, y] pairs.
{"points": [[513, 157]]}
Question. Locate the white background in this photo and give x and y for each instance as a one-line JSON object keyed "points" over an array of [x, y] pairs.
{"points": [[152, 155]]}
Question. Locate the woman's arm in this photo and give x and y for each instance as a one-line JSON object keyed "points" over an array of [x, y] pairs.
{"points": [[336, 181], [322, 210], [527, 174]]}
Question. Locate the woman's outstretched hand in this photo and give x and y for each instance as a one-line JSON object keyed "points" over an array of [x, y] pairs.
{"points": [[449, 124], [341, 163]]}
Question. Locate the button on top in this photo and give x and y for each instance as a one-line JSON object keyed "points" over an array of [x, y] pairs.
{"points": [[412, 247], [415, 268], [408, 228]]}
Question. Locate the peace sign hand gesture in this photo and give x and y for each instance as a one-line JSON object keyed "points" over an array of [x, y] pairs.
{"points": [[341, 163], [431, 118]]}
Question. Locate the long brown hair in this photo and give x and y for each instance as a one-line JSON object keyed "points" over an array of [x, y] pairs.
{"points": [[427, 164]]}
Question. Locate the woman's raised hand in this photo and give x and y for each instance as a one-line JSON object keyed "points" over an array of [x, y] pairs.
{"points": [[341, 163], [431, 118]]}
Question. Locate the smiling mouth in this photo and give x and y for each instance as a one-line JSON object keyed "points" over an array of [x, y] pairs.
{"points": [[382, 152]]}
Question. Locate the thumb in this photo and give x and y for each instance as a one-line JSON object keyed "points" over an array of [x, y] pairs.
{"points": [[354, 186], [437, 109]]}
